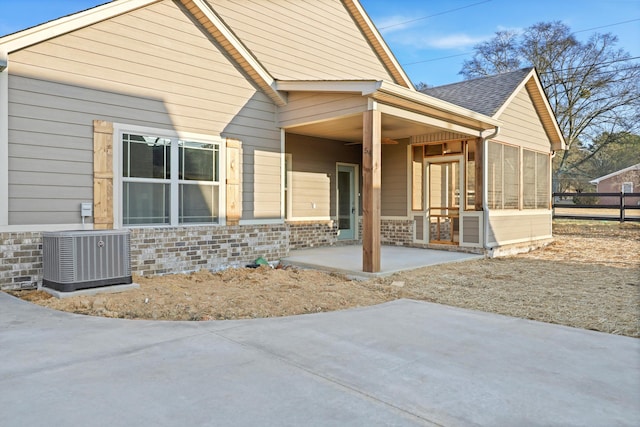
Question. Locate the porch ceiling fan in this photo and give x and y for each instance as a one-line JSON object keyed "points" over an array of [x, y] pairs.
{"points": [[383, 141]]}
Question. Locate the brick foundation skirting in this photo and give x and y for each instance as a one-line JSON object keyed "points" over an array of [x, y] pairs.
{"points": [[20, 260], [156, 251], [312, 234], [166, 250]]}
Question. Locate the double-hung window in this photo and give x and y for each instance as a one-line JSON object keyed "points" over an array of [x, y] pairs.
{"points": [[170, 180]]}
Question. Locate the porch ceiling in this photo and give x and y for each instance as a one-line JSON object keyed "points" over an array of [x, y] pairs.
{"points": [[349, 128]]}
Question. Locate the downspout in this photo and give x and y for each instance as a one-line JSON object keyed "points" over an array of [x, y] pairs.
{"points": [[485, 182]]}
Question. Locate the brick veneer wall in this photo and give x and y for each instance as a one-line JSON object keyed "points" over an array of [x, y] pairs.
{"points": [[397, 232], [155, 251], [184, 249], [312, 234], [20, 260], [164, 250]]}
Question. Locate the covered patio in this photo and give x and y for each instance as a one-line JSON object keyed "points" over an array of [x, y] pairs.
{"points": [[348, 259], [373, 113]]}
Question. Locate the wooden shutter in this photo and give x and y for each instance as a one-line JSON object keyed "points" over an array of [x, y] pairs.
{"points": [[234, 201], [102, 175]]}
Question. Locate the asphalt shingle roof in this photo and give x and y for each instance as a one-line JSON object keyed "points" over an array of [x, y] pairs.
{"points": [[484, 95]]}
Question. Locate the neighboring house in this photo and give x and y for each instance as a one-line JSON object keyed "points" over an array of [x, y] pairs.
{"points": [[221, 131], [625, 180]]}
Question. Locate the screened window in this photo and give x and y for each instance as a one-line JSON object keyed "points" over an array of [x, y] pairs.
{"points": [[503, 176], [473, 177], [535, 171], [169, 181]]}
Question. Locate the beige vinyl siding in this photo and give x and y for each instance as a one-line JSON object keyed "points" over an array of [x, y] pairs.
{"points": [[151, 67], [303, 39], [313, 173], [306, 107], [505, 229], [522, 125], [394, 179]]}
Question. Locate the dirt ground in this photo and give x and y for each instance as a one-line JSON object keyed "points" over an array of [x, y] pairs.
{"points": [[588, 278]]}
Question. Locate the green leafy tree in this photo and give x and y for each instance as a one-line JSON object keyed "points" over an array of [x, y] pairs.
{"points": [[593, 87]]}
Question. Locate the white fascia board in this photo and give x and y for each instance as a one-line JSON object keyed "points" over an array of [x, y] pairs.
{"points": [[343, 86], [48, 30], [533, 75], [240, 48], [427, 120], [515, 92], [383, 44], [371, 88], [554, 120], [429, 101], [612, 174]]}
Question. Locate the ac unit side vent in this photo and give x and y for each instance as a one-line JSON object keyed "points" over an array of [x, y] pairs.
{"points": [[74, 260]]}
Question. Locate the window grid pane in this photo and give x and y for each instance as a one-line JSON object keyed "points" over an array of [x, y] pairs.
{"points": [[145, 203], [147, 184], [198, 203]]}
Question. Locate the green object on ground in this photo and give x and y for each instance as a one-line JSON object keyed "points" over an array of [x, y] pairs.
{"points": [[261, 261]]}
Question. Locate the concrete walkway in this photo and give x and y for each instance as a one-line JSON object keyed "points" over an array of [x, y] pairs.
{"points": [[348, 259], [403, 363]]}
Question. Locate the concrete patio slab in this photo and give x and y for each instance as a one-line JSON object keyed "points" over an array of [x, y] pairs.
{"points": [[348, 259], [403, 363]]}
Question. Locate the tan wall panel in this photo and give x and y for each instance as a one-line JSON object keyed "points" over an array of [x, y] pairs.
{"points": [[313, 164], [303, 40], [306, 107], [394, 179], [503, 229], [522, 126], [151, 67]]}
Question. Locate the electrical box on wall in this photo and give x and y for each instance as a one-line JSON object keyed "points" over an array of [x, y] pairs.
{"points": [[86, 209]]}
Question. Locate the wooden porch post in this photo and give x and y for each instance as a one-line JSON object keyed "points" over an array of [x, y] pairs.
{"points": [[371, 157]]}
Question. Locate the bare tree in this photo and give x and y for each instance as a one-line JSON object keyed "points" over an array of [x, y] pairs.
{"points": [[593, 87]]}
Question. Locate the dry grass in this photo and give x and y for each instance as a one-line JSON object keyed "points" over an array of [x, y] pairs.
{"points": [[588, 278]]}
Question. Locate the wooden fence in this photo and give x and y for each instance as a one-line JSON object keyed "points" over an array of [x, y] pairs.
{"points": [[598, 206]]}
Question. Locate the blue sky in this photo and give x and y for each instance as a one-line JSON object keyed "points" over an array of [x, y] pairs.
{"points": [[430, 38]]}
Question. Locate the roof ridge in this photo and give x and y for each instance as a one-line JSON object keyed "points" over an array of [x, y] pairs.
{"points": [[526, 70]]}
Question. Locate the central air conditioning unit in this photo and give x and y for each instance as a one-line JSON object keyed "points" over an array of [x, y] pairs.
{"points": [[74, 260]]}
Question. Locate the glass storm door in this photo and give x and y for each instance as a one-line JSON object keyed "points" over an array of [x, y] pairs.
{"points": [[444, 202], [346, 206]]}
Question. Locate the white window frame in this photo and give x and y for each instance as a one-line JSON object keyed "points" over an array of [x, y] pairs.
{"points": [[626, 185], [119, 129]]}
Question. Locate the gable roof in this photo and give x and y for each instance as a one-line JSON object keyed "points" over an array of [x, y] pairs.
{"points": [[492, 94], [306, 40], [611, 175], [484, 94], [377, 42], [377, 61]]}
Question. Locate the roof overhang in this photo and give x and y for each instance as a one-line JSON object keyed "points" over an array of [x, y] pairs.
{"points": [[216, 27], [542, 106], [66, 24], [616, 173], [398, 98], [376, 41]]}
